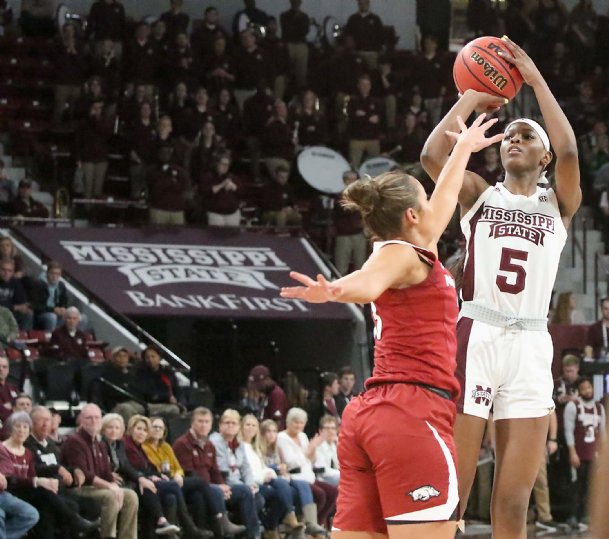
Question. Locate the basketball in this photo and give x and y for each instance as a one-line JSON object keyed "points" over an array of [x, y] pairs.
{"points": [[479, 67]]}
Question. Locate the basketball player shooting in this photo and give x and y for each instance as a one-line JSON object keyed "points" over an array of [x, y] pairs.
{"points": [[396, 452], [515, 232]]}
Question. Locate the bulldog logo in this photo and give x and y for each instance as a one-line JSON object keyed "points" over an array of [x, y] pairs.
{"points": [[422, 494]]}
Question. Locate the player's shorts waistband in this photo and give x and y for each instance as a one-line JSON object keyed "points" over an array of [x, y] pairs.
{"points": [[444, 393], [490, 316]]}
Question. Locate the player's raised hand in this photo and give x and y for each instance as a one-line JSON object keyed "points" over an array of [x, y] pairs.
{"points": [[319, 291], [522, 61], [474, 136]]}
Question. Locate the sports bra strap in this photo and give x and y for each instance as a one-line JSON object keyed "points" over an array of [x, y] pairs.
{"points": [[426, 253]]}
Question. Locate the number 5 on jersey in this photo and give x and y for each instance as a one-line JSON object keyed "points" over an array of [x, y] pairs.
{"points": [[510, 263]]}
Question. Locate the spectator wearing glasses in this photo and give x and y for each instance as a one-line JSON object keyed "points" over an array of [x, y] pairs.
{"points": [[41, 492], [198, 493], [326, 457], [85, 451], [112, 431], [197, 456], [234, 466]]}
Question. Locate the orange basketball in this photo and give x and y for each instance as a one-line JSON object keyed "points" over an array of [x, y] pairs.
{"points": [[479, 67]]}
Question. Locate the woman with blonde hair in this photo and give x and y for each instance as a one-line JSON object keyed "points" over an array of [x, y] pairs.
{"points": [[275, 490], [301, 489], [112, 430], [138, 431], [197, 492], [565, 311]]}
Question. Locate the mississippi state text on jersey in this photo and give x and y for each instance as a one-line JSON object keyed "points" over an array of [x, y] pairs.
{"points": [[513, 249]]}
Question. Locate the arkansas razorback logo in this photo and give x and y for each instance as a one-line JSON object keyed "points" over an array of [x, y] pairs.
{"points": [[422, 494]]}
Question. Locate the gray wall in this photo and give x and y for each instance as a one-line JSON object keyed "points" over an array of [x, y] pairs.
{"points": [[399, 13]]}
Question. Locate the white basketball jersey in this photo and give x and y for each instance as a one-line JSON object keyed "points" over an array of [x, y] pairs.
{"points": [[513, 249]]}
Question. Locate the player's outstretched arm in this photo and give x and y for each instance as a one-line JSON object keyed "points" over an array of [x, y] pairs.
{"points": [[392, 266], [468, 140], [438, 145], [562, 137]]}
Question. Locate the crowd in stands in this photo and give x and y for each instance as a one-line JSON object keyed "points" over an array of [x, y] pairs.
{"points": [[128, 475], [210, 120]]}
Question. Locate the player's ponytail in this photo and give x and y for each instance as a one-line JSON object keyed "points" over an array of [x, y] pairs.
{"points": [[382, 202]]}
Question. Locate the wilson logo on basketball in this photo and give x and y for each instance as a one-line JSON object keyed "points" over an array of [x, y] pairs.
{"points": [[490, 72], [482, 395], [424, 493]]}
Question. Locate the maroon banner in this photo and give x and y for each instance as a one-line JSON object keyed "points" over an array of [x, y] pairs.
{"points": [[186, 271]]}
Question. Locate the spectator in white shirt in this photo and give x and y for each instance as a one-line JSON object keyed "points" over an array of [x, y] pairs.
{"points": [[298, 454], [275, 490], [326, 457]]}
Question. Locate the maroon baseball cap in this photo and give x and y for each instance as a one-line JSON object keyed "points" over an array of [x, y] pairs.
{"points": [[257, 377]]}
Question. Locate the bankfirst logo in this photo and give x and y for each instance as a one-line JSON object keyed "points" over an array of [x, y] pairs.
{"points": [[155, 265]]}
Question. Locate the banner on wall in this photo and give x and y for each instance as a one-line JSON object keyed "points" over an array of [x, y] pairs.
{"points": [[186, 271]]}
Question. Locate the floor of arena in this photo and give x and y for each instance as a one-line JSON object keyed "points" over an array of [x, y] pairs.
{"points": [[483, 531]]}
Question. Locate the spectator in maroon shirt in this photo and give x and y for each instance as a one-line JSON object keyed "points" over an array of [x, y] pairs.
{"points": [[367, 31], [491, 170], [431, 75], [107, 20], [277, 51], [84, 451], [275, 403], [159, 37], [227, 118], [310, 123], [410, 139], [70, 70], [181, 62], [18, 465], [143, 149], [193, 118], [294, 29], [278, 139], [252, 64], [203, 37], [91, 149], [218, 65], [278, 201], [167, 185], [346, 66], [178, 103], [141, 63], [203, 156], [106, 66], [197, 457], [24, 204], [351, 245], [364, 123], [8, 392], [219, 193], [175, 20], [257, 110], [71, 341]]}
